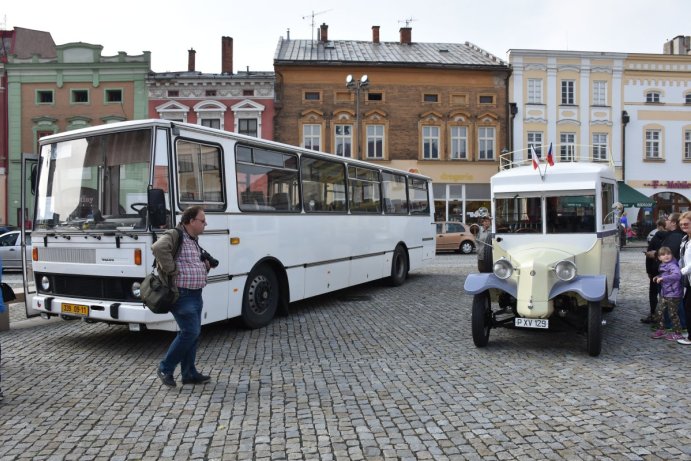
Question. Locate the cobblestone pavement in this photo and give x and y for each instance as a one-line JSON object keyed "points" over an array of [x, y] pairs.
{"points": [[367, 373]]}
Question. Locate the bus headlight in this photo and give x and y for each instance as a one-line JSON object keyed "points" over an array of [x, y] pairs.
{"points": [[502, 269], [565, 270], [136, 289], [45, 283]]}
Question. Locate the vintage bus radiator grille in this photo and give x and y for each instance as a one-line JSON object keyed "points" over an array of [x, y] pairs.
{"points": [[67, 255], [97, 288]]}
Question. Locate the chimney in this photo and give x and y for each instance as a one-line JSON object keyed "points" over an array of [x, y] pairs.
{"points": [[406, 35], [324, 33], [227, 55], [375, 34], [190, 59]]}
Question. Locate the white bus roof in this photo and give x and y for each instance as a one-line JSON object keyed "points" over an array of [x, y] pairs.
{"points": [[560, 177]]}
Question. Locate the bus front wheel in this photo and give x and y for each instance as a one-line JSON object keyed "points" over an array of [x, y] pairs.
{"points": [[481, 321], [594, 333], [260, 300], [399, 267]]}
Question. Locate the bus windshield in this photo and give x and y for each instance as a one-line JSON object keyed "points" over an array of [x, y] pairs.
{"points": [[563, 214], [98, 182]]}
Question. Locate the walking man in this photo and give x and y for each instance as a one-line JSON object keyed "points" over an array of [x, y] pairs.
{"points": [[186, 270]]}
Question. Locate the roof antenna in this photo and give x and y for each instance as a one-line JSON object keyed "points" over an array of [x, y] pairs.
{"points": [[312, 16], [407, 21]]}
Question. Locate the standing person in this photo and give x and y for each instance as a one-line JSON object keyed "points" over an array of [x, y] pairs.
{"points": [[673, 241], [670, 280], [651, 265], [2, 311], [187, 271], [685, 264], [484, 249]]}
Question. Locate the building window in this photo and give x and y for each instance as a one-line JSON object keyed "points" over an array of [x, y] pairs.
{"points": [[687, 145], [568, 96], [44, 97], [430, 97], [113, 95], [344, 140], [248, 126], [375, 141], [79, 96], [535, 143], [173, 93], [430, 142], [459, 143], [688, 98], [211, 123], [534, 91], [459, 99], [486, 99], [652, 97], [311, 136], [652, 144], [599, 146], [210, 93], [248, 92], [375, 96], [486, 142], [567, 149], [599, 93], [312, 96]]}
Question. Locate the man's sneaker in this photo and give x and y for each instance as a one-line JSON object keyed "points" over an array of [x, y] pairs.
{"points": [[659, 334], [684, 341], [166, 379], [198, 379], [674, 337]]}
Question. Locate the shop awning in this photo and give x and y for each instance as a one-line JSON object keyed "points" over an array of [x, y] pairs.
{"points": [[630, 197]]}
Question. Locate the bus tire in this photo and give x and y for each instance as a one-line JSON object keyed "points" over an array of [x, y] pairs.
{"points": [[260, 299], [399, 267], [481, 320], [594, 333]]}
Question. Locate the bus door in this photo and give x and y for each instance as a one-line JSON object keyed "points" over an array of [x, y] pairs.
{"points": [[29, 171]]}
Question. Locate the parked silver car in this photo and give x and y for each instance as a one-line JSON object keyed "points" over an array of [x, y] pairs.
{"points": [[10, 250]]}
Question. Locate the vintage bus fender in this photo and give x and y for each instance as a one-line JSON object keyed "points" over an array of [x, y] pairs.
{"points": [[477, 283], [589, 287]]}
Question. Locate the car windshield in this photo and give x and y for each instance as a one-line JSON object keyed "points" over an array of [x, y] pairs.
{"points": [[94, 182], [563, 214]]}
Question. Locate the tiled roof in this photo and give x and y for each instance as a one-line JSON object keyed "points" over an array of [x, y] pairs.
{"points": [[29, 42], [350, 52]]}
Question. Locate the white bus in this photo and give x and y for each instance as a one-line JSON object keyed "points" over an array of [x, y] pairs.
{"points": [[286, 223]]}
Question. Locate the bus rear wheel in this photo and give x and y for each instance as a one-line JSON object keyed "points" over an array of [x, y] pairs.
{"points": [[399, 267], [260, 299]]}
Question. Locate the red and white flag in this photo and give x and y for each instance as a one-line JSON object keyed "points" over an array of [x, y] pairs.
{"points": [[550, 156], [535, 158]]}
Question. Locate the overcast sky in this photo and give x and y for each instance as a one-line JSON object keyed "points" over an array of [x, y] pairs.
{"points": [[169, 28]]}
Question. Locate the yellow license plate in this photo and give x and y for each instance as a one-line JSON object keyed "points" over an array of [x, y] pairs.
{"points": [[75, 309]]}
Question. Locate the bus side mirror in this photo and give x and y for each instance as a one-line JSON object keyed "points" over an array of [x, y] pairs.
{"points": [[156, 207]]}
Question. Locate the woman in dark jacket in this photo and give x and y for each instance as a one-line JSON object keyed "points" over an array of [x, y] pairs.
{"points": [[651, 265]]}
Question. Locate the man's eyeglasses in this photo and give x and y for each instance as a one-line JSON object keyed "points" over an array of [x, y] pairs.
{"points": [[200, 220], [684, 223]]}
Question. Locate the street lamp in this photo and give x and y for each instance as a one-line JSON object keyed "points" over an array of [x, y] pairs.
{"points": [[351, 84]]}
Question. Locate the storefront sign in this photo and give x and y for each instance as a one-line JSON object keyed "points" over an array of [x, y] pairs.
{"points": [[655, 184]]}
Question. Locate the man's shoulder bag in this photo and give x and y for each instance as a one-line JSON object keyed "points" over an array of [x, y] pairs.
{"points": [[157, 295]]}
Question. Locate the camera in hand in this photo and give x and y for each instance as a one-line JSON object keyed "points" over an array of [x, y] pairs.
{"points": [[205, 256]]}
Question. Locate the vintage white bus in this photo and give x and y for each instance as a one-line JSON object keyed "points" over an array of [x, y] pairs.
{"points": [[553, 259], [286, 223]]}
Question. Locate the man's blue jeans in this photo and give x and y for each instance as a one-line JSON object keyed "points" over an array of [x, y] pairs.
{"points": [[188, 314]]}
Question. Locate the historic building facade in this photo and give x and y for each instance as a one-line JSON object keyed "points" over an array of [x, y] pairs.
{"points": [[436, 108], [241, 102], [75, 87]]}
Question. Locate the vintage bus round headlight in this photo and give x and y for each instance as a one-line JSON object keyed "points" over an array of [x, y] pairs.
{"points": [[565, 270], [45, 283], [502, 269], [136, 289]]}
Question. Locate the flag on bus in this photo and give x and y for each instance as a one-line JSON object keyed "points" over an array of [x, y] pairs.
{"points": [[550, 156], [533, 154]]}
